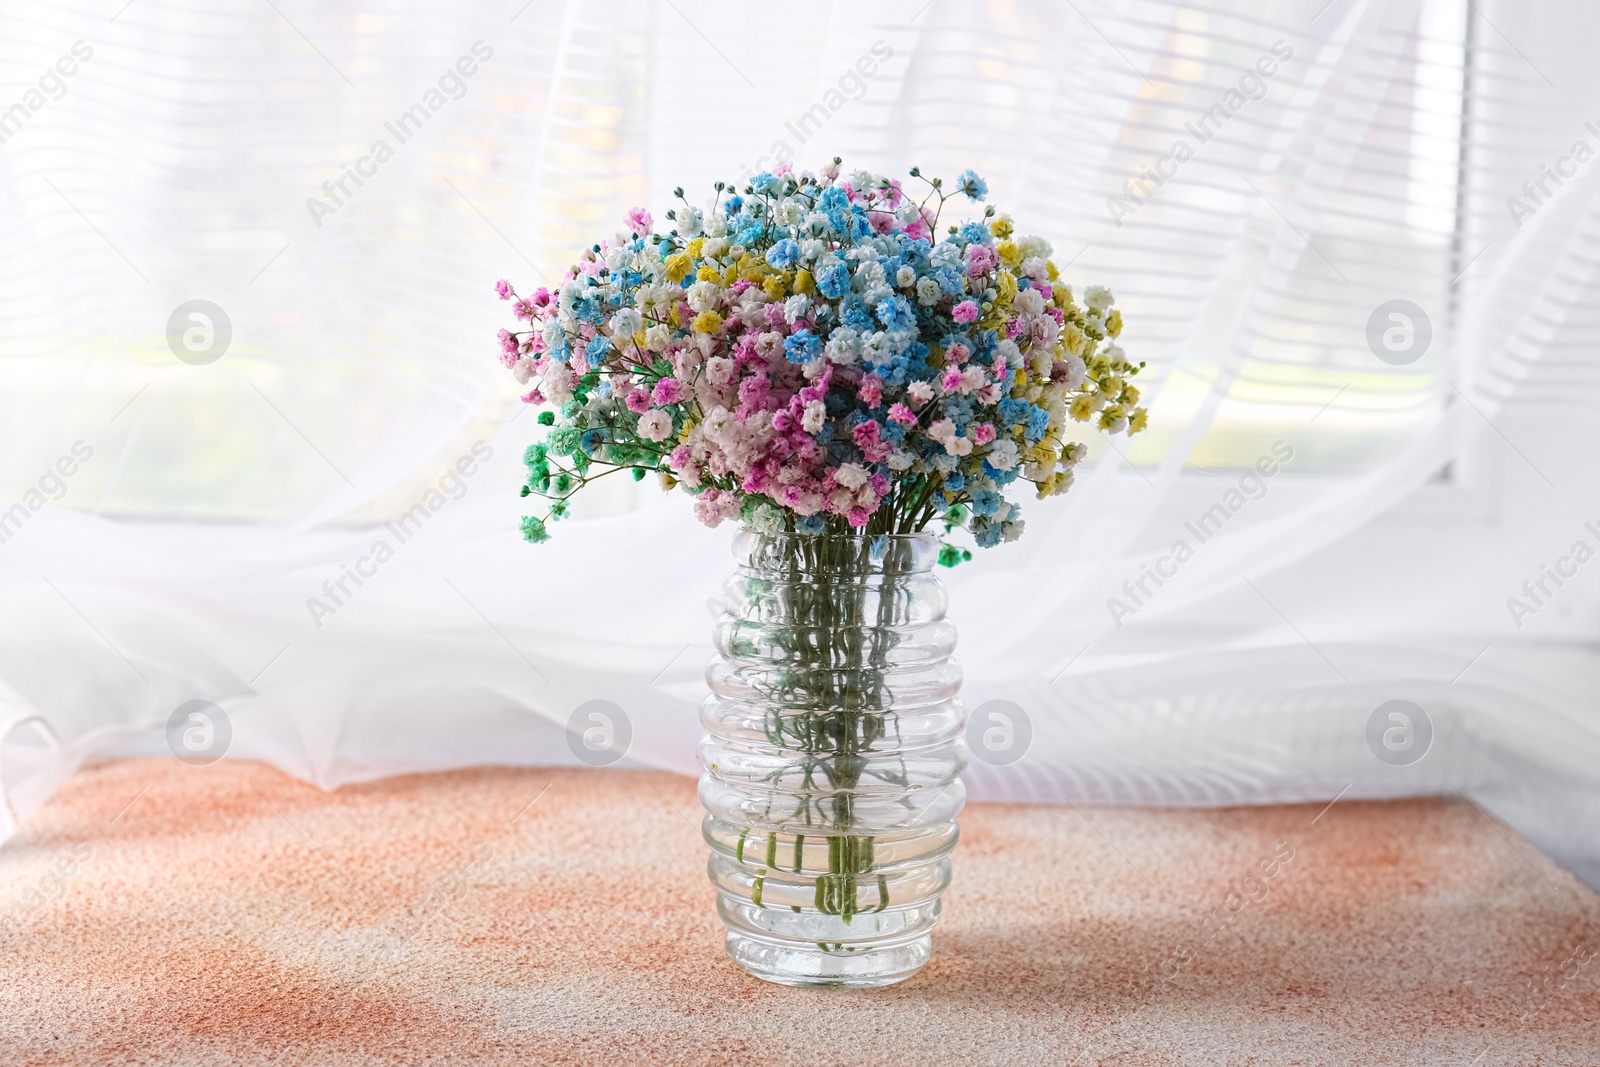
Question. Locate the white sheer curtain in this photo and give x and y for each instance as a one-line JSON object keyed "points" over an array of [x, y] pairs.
{"points": [[180, 520]]}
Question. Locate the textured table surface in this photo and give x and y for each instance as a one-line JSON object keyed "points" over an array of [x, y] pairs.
{"points": [[154, 912]]}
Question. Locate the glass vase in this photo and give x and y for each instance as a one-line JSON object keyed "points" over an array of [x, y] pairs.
{"points": [[832, 758]]}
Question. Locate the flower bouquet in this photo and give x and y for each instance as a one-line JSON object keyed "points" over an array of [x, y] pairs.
{"points": [[808, 356]]}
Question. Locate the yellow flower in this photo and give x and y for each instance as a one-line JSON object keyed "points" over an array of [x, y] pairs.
{"points": [[1005, 285], [1072, 338], [1114, 323], [708, 273], [775, 287], [1138, 420], [706, 322], [672, 317], [678, 266], [730, 275], [803, 282], [1010, 254], [1081, 408], [1050, 270], [695, 246], [1130, 394], [752, 268], [1001, 227]]}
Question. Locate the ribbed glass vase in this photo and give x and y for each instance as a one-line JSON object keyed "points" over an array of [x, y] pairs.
{"points": [[831, 781]]}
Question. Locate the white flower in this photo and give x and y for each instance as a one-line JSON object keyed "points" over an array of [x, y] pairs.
{"points": [[716, 423], [944, 432], [1033, 268], [843, 346], [558, 383], [717, 225], [690, 221], [908, 212], [1002, 454], [811, 248], [899, 460], [945, 254], [1097, 298], [714, 247], [928, 291], [789, 212], [1075, 373], [851, 476], [817, 224], [796, 306], [719, 371], [919, 392], [904, 276], [1028, 302], [1033, 247], [863, 179], [655, 425], [657, 337], [705, 296], [812, 415], [1011, 530], [522, 370], [626, 322]]}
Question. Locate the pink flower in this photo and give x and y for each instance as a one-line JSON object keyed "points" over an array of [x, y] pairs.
{"points": [[982, 433], [966, 311], [502, 288], [524, 309], [957, 353], [902, 414], [870, 390], [669, 391], [951, 381], [533, 397], [679, 457], [859, 517], [979, 259], [655, 425], [639, 221], [865, 434], [639, 401]]}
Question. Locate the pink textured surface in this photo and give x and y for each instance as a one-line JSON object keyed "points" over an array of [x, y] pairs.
{"points": [[154, 912]]}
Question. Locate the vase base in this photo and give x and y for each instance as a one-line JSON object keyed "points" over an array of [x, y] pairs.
{"points": [[847, 966]]}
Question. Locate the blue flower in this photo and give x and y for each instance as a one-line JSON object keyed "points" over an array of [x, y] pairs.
{"points": [[811, 524], [984, 501], [802, 346], [784, 254], [950, 281], [1013, 411], [833, 278], [975, 233], [751, 234], [855, 314], [972, 185], [598, 346], [1038, 422], [879, 546], [955, 482], [733, 204], [896, 314], [986, 532], [592, 439]]}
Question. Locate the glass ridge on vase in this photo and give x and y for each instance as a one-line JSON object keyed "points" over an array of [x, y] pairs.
{"points": [[833, 756]]}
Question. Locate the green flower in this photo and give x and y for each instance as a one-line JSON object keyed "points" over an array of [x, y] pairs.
{"points": [[564, 440], [533, 530]]}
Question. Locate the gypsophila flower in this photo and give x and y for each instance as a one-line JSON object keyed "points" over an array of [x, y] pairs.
{"points": [[810, 355]]}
